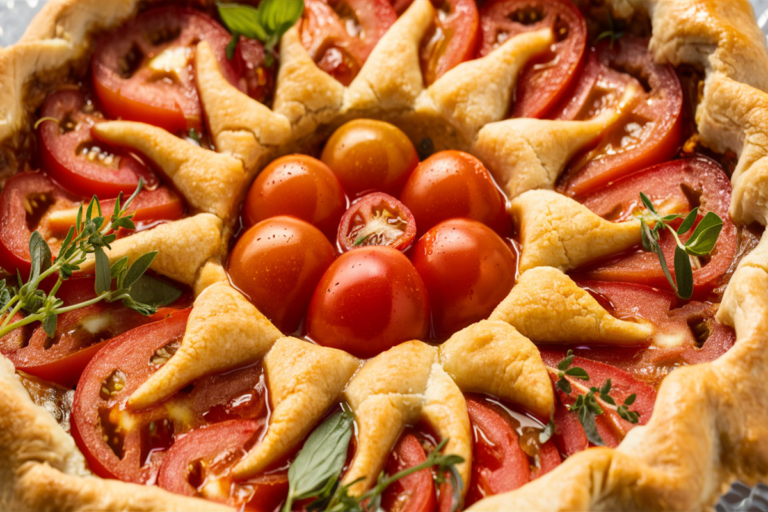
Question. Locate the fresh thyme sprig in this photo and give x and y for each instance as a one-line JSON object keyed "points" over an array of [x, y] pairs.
{"points": [[267, 23], [91, 235], [701, 242], [611, 33]]}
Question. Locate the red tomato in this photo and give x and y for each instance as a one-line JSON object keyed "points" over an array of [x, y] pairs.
{"points": [[467, 269], [143, 71], [370, 156], [368, 301], [277, 264], [548, 458], [550, 76], [15, 339], [130, 446], [416, 492], [81, 165], [649, 131], [451, 40], [675, 187], [340, 34], [377, 219], [452, 184], [300, 186]]}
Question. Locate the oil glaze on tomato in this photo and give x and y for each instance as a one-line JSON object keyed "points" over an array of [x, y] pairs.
{"points": [[377, 219]]}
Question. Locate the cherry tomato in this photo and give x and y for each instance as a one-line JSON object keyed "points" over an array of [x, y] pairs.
{"points": [[300, 186], [451, 40], [416, 492], [79, 164], [143, 71], [548, 77], [368, 301], [277, 264], [370, 156], [675, 187], [649, 131], [377, 219], [129, 445], [340, 34], [452, 184], [467, 269]]}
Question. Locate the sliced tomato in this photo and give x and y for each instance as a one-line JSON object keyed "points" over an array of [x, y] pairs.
{"points": [[75, 160], [451, 40], [675, 187], [130, 445], [649, 130], [548, 77], [143, 71], [416, 492], [340, 34], [548, 459], [377, 219], [15, 339]]}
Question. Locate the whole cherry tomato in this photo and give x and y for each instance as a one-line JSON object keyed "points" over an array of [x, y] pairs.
{"points": [[300, 186], [467, 269], [277, 264], [451, 40], [452, 184], [415, 492], [368, 301], [340, 34], [377, 219], [550, 76], [370, 156]]}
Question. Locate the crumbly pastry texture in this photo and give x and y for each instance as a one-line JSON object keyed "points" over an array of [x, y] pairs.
{"points": [[709, 424]]}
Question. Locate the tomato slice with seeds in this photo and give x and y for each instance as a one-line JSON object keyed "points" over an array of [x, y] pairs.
{"points": [[377, 219], [340, 34], [649, 130], [675, 187], [549, 77], [75, 160], [416, 492], [451, 40]]}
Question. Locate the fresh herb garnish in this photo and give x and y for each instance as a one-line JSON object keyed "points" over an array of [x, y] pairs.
{"points": [[701, 242], [611, 33], [90, 235], [194, 136], [546, 434], [267, 23], [359, 241]]}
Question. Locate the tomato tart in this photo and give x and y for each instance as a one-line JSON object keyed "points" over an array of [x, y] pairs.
{"points": [[400, 255]]}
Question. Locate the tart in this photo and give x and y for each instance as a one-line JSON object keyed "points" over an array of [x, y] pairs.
{"points": [[494, 256]]}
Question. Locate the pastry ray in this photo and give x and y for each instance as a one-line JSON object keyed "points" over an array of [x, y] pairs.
{"points": [[491, 357], [240, 126], [224, 331], [556, 231], [209, 181], [183, 246], [305, 381], [466, 106], [547, 307]]}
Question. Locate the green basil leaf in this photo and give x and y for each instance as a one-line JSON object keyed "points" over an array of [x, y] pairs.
{"points": [[587, 419], [40, 255], [138, 268], [705, 235], [688, 222], [647, 202], [606, 387], [626, 414], [577, 372], [49, 325], [277, 16], [103, 272], [564, 386], [683, 274], [153, 292], [547, 433], [243, 19], [565, 363], [605, 397], [630, 399]]}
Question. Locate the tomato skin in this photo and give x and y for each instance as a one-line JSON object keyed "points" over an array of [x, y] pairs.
{"points": [[452, 39], [300, 186], [452, 184], [467, 269], [62, 158], [370, 156], [540, 86], [277, 264], [416, 492], [377, 219], [368, 301]]}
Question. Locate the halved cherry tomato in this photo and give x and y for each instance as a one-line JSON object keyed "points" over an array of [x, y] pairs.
{"points": [[550, 76], [377, 219], [15, 339], [277, 264], [467, 269], [451, 40], [452, 184], [300, 186], [368, 301], [143, 71], [130, 446], [650, 129], [79, 164], [340, 34], [416, 492], [370, 156], [675, 187]]}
